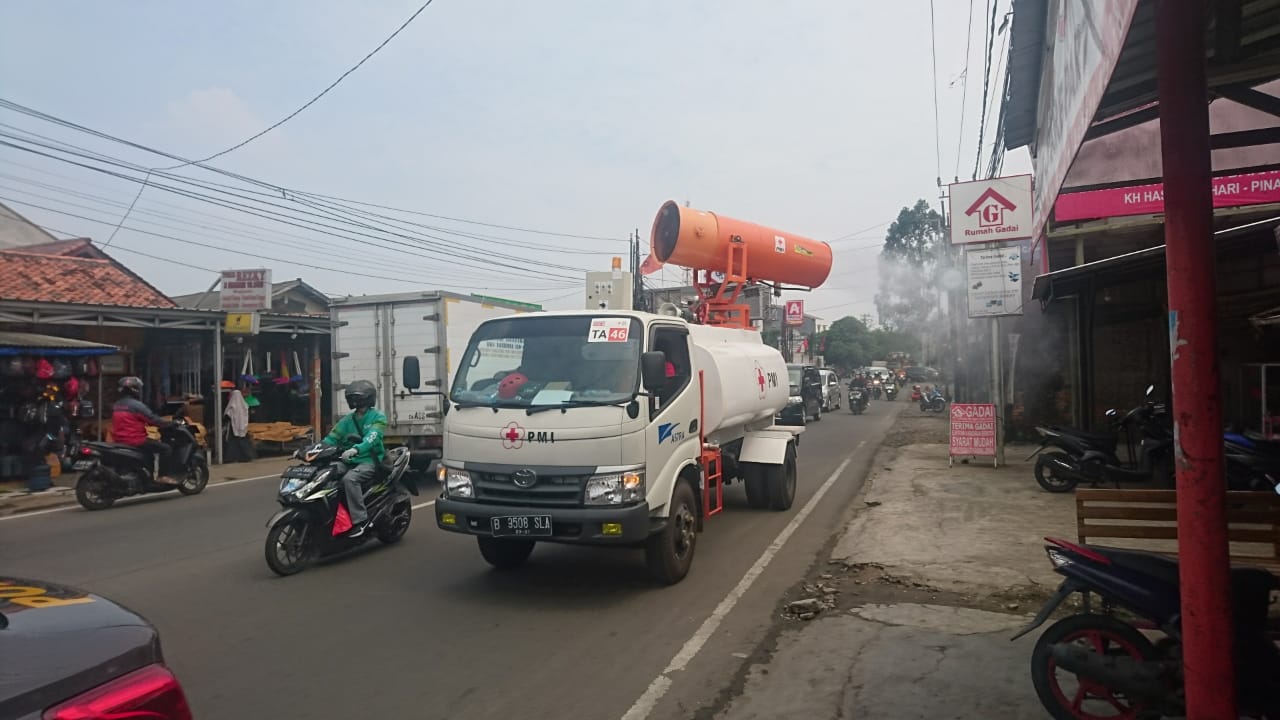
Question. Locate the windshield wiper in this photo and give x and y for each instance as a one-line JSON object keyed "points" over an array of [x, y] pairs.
{"points": [[564, 406]]}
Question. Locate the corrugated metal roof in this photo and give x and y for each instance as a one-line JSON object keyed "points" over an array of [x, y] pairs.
{"points": [[34, 341]]}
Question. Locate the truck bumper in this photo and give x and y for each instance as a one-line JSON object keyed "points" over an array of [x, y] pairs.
{"points": [[584, 526]]}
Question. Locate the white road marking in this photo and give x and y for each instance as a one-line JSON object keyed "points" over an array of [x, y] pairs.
{"points": [[425, 504], [211, 485], [649, 700]]}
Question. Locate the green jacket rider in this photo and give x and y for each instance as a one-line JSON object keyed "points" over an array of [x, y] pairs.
{"points": [[370, 424]]}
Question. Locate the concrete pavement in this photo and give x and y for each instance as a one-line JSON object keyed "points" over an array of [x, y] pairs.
{"points": [[935, 571], [426, 629]]}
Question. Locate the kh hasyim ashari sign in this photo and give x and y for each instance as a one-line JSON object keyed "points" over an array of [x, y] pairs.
{"points": [[973, 430], [245, 290], [994, 210]]}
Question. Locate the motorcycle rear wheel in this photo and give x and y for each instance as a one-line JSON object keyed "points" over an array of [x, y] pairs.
{"points": [[289, 553], [91, 493], [1104, 635], [1047, 474]]}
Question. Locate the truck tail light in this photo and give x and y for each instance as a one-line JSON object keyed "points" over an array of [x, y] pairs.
{"points": [[151, 693], [433, 441]]}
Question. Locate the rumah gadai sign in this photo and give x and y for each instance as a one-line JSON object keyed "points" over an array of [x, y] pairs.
{"points": [[994, 210], [973, 430]]}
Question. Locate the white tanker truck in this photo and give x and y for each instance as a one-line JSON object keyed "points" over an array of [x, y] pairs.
{"points": [[612, 427]]}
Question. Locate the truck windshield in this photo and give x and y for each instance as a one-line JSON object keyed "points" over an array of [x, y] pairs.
{"points": [[533, 361]]}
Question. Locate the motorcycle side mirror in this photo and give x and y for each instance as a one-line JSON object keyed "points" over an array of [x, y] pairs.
{"points": [[1150, 389], [1111, 412]]}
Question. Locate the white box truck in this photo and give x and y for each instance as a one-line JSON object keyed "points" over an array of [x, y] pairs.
{"points": [[373, 333]]}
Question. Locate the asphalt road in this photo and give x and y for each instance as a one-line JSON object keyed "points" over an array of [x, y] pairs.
{"points": [[426, 629]]}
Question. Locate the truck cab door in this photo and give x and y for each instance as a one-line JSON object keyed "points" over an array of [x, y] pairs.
{"points": [[672, 435]]}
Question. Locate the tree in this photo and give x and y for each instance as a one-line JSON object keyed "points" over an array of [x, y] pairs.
{"points": [[914, 249], [848, 343]]}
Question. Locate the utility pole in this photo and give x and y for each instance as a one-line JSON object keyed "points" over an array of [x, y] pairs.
{"points": [[866, 319]]}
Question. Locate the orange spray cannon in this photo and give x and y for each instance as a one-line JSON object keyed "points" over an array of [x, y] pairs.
{"points": [[702, 240]]}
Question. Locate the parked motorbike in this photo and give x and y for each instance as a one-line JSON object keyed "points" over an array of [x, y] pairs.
{"points": [[313, 521], [932, 400], [1251, 463], [857, 400], [1098, 664], [110, 471], [890, 391], [1082, 456]]}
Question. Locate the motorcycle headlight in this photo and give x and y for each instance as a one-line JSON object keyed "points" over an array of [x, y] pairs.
{"points": [[614, 488], [301, 488], [456, 483]]}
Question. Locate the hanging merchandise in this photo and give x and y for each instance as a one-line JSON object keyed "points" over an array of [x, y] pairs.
{"points": [[61, 368], [297, 369], [44, 369], [15, 367]]}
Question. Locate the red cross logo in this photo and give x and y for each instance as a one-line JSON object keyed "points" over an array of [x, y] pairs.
{"points": [[760, 380], [512, 436]]}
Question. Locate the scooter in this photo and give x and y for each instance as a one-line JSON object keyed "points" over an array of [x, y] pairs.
{"points": [[313, 521], [890, 391], [110, 471], [916, 393], [1091, 457], [857, 400], [932, 400], [876, 389], [1097, 664]]}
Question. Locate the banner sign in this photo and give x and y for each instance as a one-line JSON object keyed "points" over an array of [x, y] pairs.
{"points": [[1228, 191], [993, 210], [973, 429], [245, 290], [1086, 37], [795, 312], [993, 281]]}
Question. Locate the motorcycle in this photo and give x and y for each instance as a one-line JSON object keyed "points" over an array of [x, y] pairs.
{"points": [[857, 400], [1117, 668], [110, 471], [916, 393], [313, 522], [876, 389], [1091, 457], [890, 391], [932, 400]]}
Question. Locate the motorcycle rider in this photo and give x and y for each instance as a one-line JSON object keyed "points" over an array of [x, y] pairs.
{"points": [[129, 419], [370, 424]]}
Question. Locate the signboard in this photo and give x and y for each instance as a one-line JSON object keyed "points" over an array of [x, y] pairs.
{"points": [[795, 312], [1228, 191], [245, 290], [993, 281], [992, 210], [973, 429], [1085, 37], [242, 323]]}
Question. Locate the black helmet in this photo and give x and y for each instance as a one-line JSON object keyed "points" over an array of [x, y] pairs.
{"points": [[131, 385], [361, 394]]}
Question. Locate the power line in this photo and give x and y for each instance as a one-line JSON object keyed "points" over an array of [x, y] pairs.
{"points": [[986, 82], [313, 100], [937, 132], [45, 117], [142, 186], [964, 92]]}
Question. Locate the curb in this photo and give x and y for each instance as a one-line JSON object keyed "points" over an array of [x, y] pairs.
{"points": [[56, 497]]}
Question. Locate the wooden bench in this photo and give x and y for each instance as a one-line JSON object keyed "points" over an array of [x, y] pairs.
{"points": [[1148, 518]]}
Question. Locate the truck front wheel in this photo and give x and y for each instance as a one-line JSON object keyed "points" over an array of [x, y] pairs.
{"points": [[781, 481], [505, 554], [669, 552]]}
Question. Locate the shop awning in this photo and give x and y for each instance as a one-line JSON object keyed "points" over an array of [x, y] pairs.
{"points": [[20, 343]]}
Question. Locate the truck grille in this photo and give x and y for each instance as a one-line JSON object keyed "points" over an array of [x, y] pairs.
{"points": [[549, 491]]}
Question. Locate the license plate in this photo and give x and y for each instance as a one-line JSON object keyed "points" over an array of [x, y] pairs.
{"points": [[521, 525], [299, 472], [82, 465]]}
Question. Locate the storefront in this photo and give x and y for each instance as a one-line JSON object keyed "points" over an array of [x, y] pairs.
{"points": [[48, 385]]}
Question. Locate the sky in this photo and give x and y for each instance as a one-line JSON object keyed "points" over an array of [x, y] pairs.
{"points": [[576, 117]]}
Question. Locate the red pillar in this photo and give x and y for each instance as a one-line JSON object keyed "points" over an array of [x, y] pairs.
{"points": [[1193, 336]]}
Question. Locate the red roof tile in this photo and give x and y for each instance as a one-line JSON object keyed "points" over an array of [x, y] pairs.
{"points": [[53, 278], [75, 247]]}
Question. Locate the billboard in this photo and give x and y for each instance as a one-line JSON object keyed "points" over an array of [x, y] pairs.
{"points": [[993, 281], [795, 312], [245, 290], [994, 210]]}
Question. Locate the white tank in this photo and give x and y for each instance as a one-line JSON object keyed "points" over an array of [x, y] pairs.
{"points": [[745, 380]]}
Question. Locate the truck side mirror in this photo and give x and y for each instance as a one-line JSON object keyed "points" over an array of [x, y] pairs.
{"points": [[653, 370], [412, 379]]}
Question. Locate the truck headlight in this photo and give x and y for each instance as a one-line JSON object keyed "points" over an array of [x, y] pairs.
{"points": [[456, 483], [794, 399], [614, 488]]}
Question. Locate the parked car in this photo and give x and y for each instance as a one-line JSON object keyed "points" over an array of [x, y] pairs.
{"points": [[832, 398], [806, 396], [72, 654], [921, 373]]}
